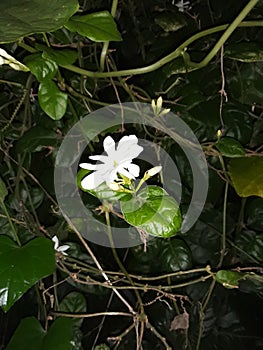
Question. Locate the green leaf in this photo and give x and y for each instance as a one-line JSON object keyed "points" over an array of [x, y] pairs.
{"points": [[98, 26], [161, 256], [35, 139], [254, 214], [247, 176], [43, 69], [102, 347], [251, 245], [74, 302], [245, 52], [3, 190], [170, 21], [230, 147], [175, 255], [30, 335], [228, 279], [22, 18], [22, 267], [52, 100], [246, 85], [153, 211], [62, 57]]}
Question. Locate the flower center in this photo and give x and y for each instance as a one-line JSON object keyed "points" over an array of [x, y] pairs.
{"points": [[115, 164]]}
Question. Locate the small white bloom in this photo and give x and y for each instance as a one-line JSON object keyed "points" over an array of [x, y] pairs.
{"points": [[157, 107], [154, 171], [118, 160], [182, 5], [5, 58], [60, 249]]}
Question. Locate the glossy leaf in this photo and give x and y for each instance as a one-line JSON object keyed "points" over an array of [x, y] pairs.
{"points": [[98, 26], [245, 52], [31, 336], [52, 100], [102, 347], [18, 19], [228, 279], [230, 147], [246, 85], [161, 256], [170, 22], [3, 190], [247, 176], [22, 267], [254, 214], [74, 302], [35, 139], [43, 69], [154, 211], [251, 245], [62, 57]]}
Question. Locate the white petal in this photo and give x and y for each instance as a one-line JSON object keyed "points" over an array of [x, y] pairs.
{"points": [[2, 61], [109, 145], [4, 54], [88, 166], [154, 171], [125, 172], [128, 148], [134, 169], [92, 181], [101, 158], [55, 240], [63, 248]]}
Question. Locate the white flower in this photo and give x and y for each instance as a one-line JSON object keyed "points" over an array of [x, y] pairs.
{"points": [[60, 249], [182, 5], [5, 58], [118, 160], [157, 107], [154, 171]]}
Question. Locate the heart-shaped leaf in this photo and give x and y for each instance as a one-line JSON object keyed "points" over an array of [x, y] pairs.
{"points": [[43, 69], [52, 100], [21, 18], [230, 147], [247, 176], [30, 335], [228, 279], [22, 267], [74, 302], [98, 26], [245, 52], [154, 211]]}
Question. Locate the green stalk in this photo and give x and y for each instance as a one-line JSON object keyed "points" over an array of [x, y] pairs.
{"points": [[177, 53], [106, 43], [15, 235]]}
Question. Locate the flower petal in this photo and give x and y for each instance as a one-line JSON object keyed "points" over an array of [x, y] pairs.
{"points": [[63, 248], [101, 158], [128, 148], [125, 172], [92, 181], [88, 166], [109, 145], [55, 240], [134, 169]]}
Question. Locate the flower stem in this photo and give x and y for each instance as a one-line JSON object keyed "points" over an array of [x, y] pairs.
{"points": [[176, 53], [106, 43], [15, 235]]}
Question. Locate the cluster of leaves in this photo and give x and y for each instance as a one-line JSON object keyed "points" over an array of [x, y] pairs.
{"points": [[198, 290]]}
